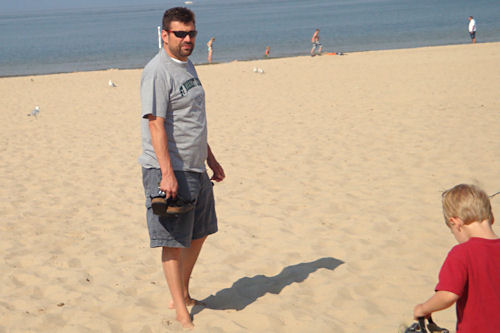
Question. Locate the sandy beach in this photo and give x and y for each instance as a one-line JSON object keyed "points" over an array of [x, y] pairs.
{"points": [[329, 218]]}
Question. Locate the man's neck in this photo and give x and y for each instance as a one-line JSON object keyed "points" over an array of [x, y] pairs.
{"points": [[177, 60]]}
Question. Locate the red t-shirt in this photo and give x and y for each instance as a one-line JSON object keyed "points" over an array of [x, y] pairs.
{"points": [[472, 271]]}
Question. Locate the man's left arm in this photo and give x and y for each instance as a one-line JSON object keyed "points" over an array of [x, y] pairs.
{"points": [[218, 175]]}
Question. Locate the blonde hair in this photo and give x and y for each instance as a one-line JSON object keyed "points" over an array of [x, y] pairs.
{"points": [[468, 203]]}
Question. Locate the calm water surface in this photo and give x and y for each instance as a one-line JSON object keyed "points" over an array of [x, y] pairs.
{"points": [[126, 37]]}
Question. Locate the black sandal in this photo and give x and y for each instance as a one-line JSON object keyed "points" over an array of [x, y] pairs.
{"points": [[420, 327], [170, 206]]}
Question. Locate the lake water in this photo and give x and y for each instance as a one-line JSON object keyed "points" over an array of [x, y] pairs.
{"points": [[126, 37]]}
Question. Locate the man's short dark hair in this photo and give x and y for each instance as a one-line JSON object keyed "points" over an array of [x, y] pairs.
{"points": [[179, 14]]}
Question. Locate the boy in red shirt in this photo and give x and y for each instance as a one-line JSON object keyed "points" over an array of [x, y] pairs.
{"points": [[470, 275]]}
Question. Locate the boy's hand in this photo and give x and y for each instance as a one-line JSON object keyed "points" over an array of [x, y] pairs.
{"points": [[418, 311], [440, 300]]}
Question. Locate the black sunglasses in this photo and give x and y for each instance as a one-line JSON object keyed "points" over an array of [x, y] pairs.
{"points": [[183, 34]]}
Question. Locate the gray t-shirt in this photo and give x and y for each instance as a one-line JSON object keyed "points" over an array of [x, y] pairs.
{"points": [[171, 90]]}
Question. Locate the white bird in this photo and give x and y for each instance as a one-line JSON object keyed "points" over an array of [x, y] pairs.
{"points": [[260, 70], [111, 84], [255, 69], [35, 112]]}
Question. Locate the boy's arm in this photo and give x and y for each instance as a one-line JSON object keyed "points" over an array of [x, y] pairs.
{"points": [[439, 301]]}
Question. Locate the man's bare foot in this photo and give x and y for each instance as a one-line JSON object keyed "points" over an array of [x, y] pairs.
{"points": [[185, 321], [189, 302]]}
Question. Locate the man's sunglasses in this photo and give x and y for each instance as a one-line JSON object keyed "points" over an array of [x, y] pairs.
{"points": [[183, 34]]}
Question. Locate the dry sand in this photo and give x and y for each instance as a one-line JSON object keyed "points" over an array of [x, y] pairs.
{"points": [[330, 217]]}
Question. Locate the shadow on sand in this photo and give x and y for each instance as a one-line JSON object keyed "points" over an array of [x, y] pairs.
{"points": [[247, 290]]}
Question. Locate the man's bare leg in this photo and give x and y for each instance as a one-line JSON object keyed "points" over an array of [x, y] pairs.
{"points": [[188, 260], [172, 267]]}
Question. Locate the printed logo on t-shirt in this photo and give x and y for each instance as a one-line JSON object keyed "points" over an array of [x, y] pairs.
{"points": [[188, 85]]}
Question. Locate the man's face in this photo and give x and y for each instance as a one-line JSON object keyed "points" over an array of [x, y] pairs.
{"points": [[178, 47]]}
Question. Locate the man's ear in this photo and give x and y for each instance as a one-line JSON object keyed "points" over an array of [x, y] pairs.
{"points": [[164, 36]]}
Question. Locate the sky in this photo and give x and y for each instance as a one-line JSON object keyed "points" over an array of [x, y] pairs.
{"points": [[35, 5]]}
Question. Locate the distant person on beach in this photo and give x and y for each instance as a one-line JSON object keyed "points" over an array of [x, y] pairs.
{"points": [[174, 152], [472, 29], [316, 48], [210, 49], [470, 275], [267, 53]]}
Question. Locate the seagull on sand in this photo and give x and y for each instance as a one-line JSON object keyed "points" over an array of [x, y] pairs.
{"points": [[111, 84], [35, 112]]}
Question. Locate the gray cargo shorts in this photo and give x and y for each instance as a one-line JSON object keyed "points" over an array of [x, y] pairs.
{"points": [[179, 230]]}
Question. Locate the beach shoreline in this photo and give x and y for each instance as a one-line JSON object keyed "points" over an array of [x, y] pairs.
{"points": [[329, 218], [301, 54]]}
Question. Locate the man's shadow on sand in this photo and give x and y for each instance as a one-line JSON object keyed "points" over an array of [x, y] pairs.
{"points": [[247, 290]]}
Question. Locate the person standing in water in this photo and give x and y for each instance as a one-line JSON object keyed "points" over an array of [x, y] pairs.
{"points": [[472, 29], [316, 48], [210, 49]]}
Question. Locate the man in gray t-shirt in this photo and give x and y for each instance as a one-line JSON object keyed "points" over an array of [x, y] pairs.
{"points": [[170, 89], [174, 151]]}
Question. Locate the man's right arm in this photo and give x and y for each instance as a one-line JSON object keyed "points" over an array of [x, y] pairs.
{"points": [[159, 140]]}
